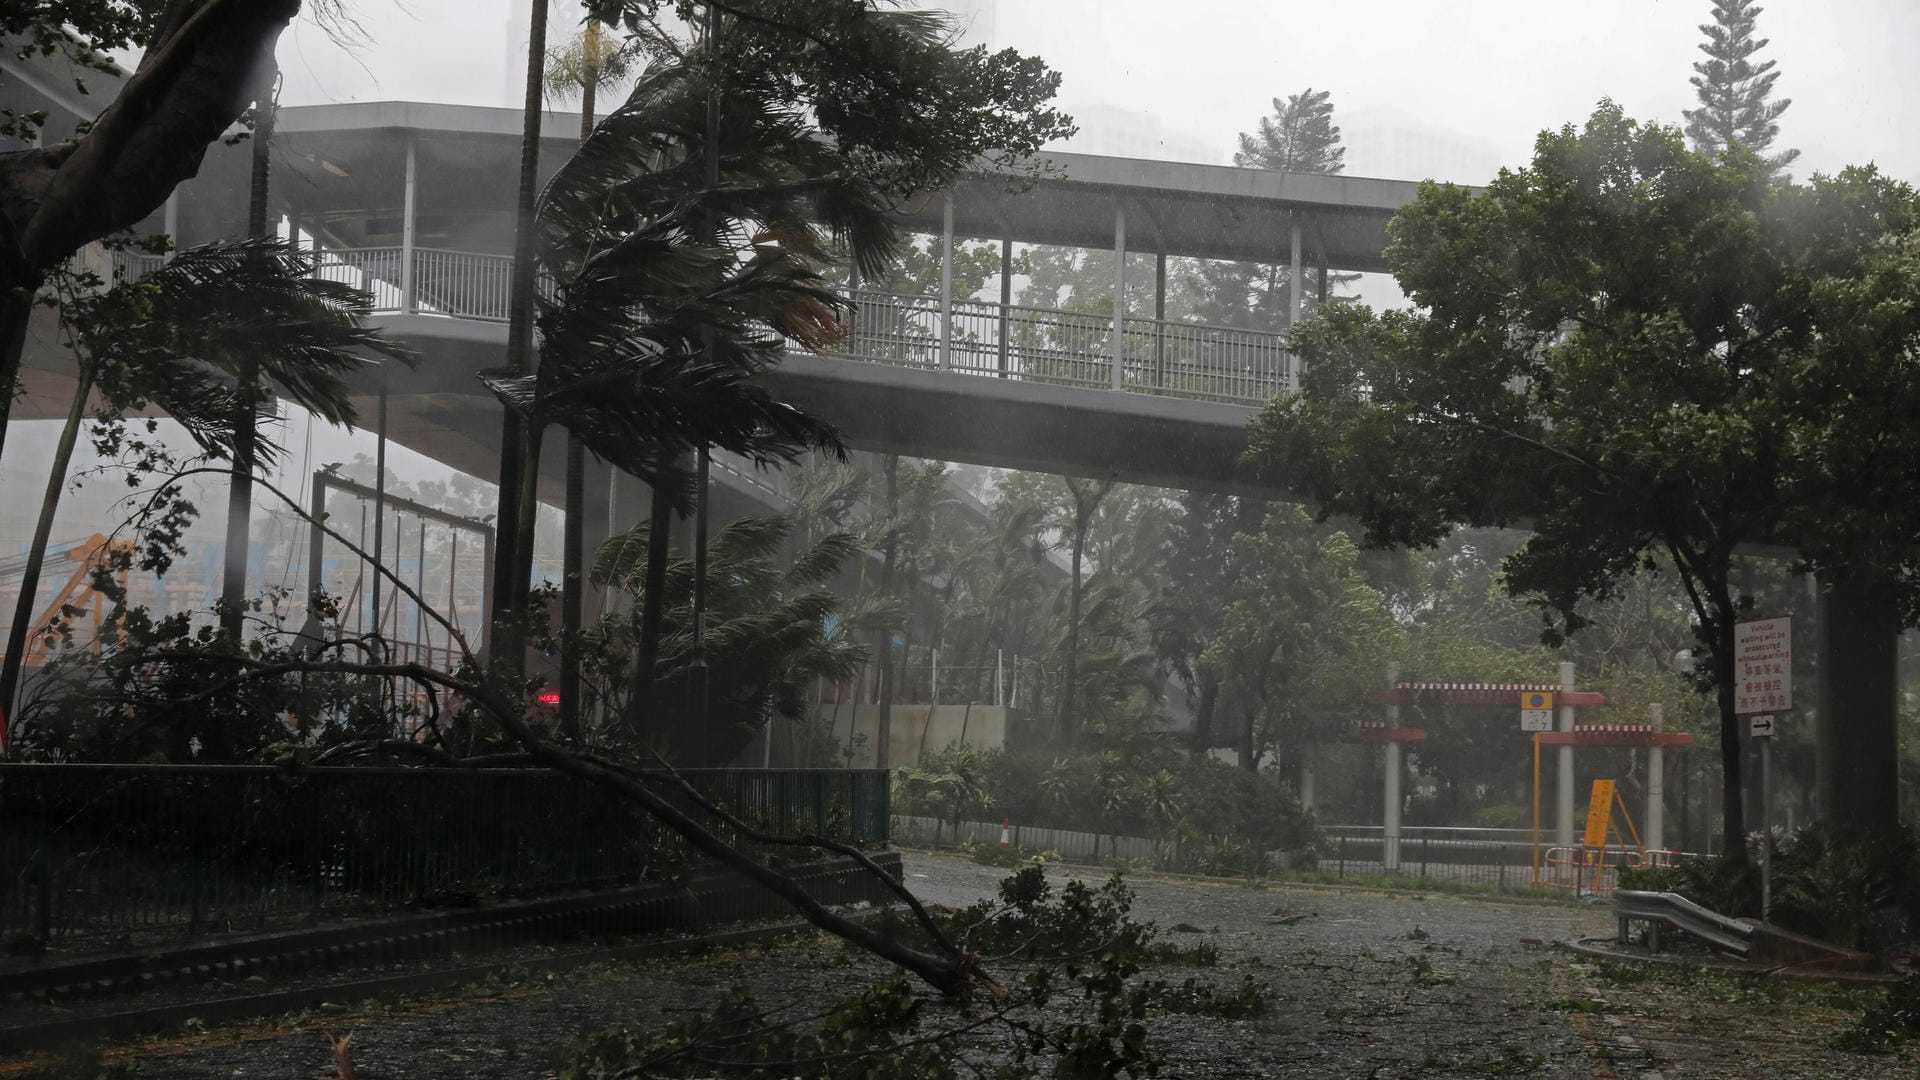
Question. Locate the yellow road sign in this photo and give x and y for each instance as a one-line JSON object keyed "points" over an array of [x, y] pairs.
{"points": [[1599, 810], [1536, 699]]}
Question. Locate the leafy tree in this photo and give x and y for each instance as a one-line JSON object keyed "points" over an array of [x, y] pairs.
{"points": [[1735, 93], [1654, 355], [1300, 630], [1201, 566]]}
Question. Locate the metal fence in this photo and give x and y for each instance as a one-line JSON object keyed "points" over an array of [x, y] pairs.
{"points": [[1428, 855], [1069, 348], [118, 849]]}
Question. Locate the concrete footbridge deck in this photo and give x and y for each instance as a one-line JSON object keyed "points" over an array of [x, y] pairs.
{"points": [[412, 202]]}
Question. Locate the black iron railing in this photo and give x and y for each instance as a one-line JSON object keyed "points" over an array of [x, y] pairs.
{"points": [[120, 849]]}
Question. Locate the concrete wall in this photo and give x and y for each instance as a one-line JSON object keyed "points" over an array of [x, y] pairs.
{"points": [[915, 729]]}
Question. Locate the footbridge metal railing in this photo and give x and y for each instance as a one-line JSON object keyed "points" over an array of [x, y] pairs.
{"points": [[1163, 357], [975, 337]]}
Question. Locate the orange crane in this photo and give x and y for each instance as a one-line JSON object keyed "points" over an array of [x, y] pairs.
{"points": [[94, 553]]}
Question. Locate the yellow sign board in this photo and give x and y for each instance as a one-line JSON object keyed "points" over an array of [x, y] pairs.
{"points": [[1599, 812], [1536, 699]]}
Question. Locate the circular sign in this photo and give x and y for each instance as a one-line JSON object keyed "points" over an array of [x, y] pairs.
{"points": [[1535, 701]]}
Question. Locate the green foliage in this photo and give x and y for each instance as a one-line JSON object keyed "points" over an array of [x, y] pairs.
{"points": [[1078, 1008], [1652, 363], [165, 690], [948, 784], [1860, 892], [774, 627], [1207, 817], [1887, 1024], [1301, 629]]}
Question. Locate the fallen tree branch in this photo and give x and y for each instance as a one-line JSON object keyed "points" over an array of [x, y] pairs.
{"points": [[955, 974]]}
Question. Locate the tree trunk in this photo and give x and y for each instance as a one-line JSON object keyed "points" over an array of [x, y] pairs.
{"points": [[1203, 712], [572, 588], [1733, 830], [1856, 742], [883, 730], [233, 583], [1249, 738], [512, 566], [573, 547], [192, 80], [1069, 688], [652, 606], [23, 609], [16, 311]]}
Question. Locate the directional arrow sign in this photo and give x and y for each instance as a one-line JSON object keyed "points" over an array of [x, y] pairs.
{"points": [[1760, 727]]}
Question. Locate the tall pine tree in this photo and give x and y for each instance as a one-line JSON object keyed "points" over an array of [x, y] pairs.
{"points": [[1733, 90], [1300, 136]]}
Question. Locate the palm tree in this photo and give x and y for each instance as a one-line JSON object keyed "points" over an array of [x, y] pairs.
{"points": [[174, 338], [589, 62], [775, 629], [1084, 496], [641, 301], [233, 587], [511, 566]]}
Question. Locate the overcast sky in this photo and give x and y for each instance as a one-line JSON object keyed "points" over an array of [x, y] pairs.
{"points": [[1489, 73]]}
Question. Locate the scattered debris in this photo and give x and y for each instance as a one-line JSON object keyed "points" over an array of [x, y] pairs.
{"points": [[342, 1055], [1186, 928], [1287, 916]]}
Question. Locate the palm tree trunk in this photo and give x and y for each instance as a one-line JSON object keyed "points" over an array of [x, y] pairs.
{"points": [[652, 605], [512, 566], [573, 547], [233, 584], [23, 608]]}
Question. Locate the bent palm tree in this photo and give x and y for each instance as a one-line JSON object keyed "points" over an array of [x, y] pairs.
{"points": [[774, 627], [176, 339]]}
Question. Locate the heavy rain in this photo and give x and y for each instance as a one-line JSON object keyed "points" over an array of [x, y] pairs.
{"points": [[908, 540]]}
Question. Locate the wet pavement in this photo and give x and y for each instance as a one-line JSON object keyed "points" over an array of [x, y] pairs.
{"points": [[1365, 985]]}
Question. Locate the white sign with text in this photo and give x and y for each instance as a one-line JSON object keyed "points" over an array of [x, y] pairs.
{"points": [[1762, 666]]}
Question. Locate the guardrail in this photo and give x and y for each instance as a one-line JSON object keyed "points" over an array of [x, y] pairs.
{"points": [[119, 849], [1657, 909]]}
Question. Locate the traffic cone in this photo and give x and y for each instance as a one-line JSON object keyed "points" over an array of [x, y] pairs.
{"points": [[1006, 832]]}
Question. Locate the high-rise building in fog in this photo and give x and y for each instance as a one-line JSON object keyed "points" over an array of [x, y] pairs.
{"points": [[1387, 142], [1137, 133]]}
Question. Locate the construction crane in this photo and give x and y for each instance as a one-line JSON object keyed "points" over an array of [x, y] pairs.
{"points": [[95, 553]]}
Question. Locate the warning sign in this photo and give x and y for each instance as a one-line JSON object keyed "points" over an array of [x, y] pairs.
{"points": [[1599, 814], [1762, 666]]}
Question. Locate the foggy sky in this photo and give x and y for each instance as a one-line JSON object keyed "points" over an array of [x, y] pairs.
{"points": [[1493, 72]]}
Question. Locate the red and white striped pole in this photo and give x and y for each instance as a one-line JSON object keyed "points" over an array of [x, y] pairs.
{"points": [[1006, 831]]}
